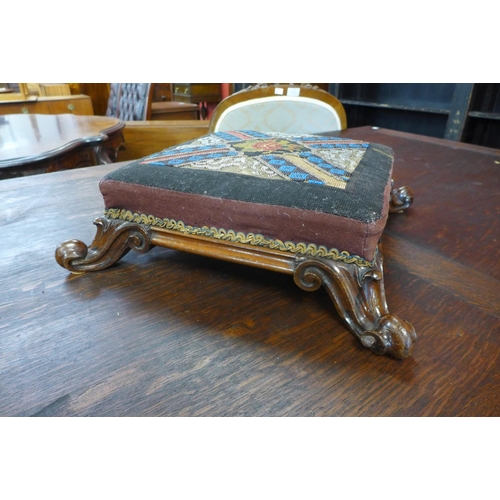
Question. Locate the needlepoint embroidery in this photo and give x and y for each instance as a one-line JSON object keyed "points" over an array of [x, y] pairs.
{"points": [[311, 159]]}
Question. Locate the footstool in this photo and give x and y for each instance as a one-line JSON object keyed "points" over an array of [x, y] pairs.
{"points": [[311, 206]]}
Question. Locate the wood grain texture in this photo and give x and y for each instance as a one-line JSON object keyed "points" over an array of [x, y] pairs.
{"points": [[74, 104], [171, 110], [143, 138], [174, 334], [34, 144], [98, 92]]}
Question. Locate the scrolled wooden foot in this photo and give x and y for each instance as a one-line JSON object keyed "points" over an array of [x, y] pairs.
{"points": [[393, 336], [401, 198], [113, 240], [359, 296]]}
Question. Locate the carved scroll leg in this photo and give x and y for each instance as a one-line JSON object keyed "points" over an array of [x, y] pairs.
{"points": [[107, 152], [113, 240], [359, 297], [401, 198]]}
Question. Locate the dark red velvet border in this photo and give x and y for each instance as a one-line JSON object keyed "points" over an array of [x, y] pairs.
{"points": [[272, 221]]}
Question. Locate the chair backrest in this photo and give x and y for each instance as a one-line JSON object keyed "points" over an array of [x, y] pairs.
{"points": [[130, 101], [287, 108]]}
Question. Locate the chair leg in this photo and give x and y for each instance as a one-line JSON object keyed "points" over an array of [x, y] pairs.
{"points": [[113, 240], [359, 296]]}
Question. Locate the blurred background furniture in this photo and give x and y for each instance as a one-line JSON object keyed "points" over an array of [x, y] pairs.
{"points": [[287, 108], [164, 107], [42, 98], [465, 112], [130, 101], [147, 101], [49, 89], [98, 92], [37, 143], [143, 138], [198, 93], [75, 104], [171, 110]]}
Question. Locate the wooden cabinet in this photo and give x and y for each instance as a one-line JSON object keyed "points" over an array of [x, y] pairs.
{"points": [[27, 107], [170, 110], [466, 112], [98, 93], [75, 104], [162, 92], [197, 92], [163, 107]]}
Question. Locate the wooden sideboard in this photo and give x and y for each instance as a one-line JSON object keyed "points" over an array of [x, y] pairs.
{"points": [[74, 104]]}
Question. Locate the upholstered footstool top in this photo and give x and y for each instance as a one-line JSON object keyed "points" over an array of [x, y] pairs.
{"points": [[303, 194]]}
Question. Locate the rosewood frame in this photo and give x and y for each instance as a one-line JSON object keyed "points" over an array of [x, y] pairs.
{"points": [[357, 292]]}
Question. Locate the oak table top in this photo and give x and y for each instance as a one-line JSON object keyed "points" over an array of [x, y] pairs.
{"points": [[172, 334]]}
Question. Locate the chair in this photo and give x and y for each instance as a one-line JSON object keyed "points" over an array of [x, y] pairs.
{"points": [[289, 108], [130, 101], [310, 206]]}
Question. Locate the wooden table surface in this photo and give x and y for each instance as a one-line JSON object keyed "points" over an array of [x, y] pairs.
{"points": [[172, 334], [27, 140]]}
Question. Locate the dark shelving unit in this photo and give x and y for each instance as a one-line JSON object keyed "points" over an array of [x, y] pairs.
{"points": [[467, 112]]}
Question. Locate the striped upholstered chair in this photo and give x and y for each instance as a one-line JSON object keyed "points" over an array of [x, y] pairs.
{"points": [[130, 101]]}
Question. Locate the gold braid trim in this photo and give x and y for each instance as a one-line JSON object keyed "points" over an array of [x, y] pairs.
{"points": [[238, 237]]}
